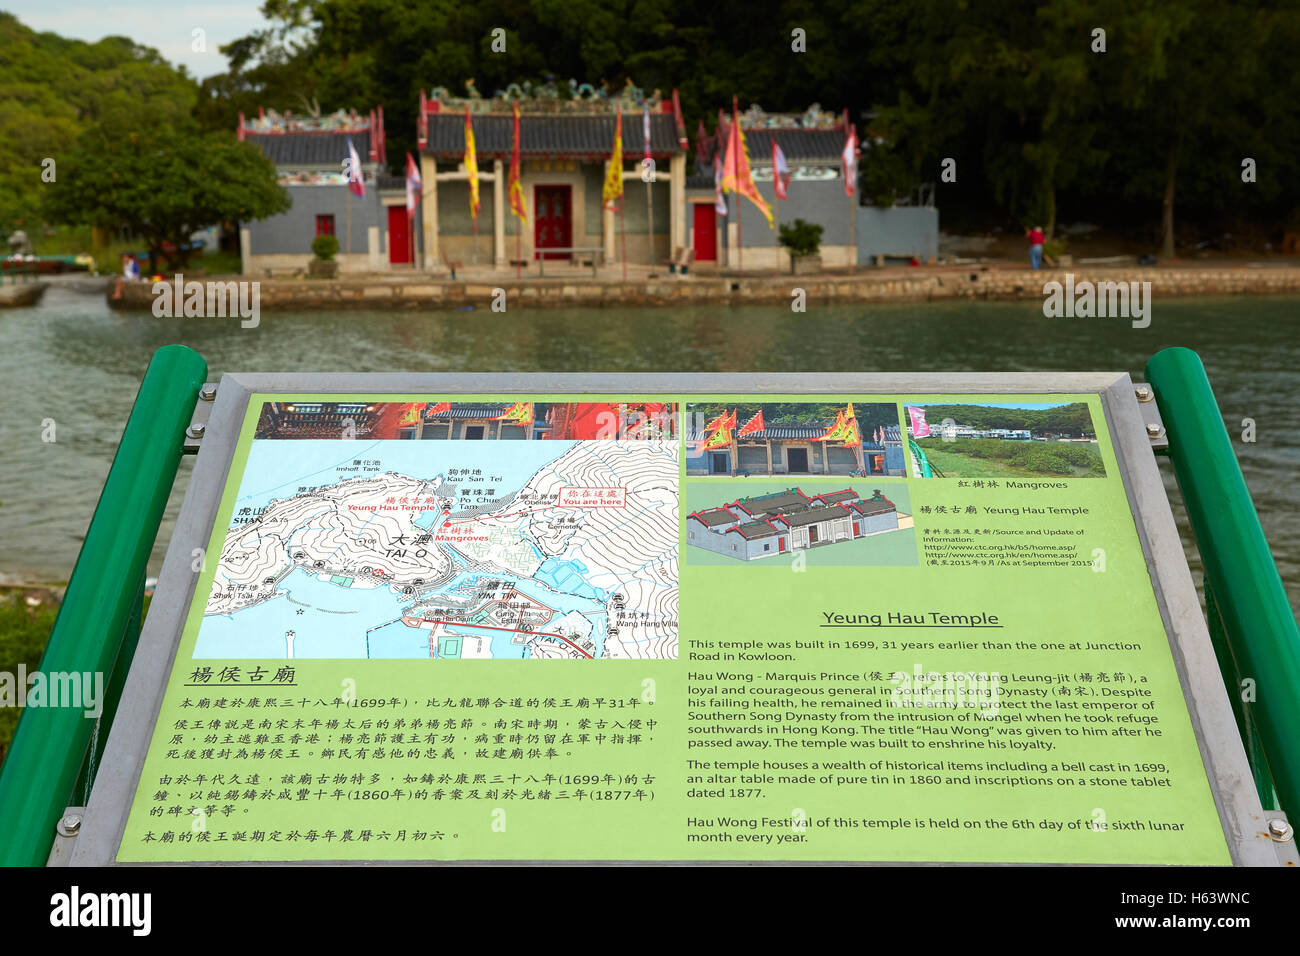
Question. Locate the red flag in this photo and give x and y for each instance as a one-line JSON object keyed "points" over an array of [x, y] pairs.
{"points": [[717, 422], [780, 171], [737, 176], [755, 424]]}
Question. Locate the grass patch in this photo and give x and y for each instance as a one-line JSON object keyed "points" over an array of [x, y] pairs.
{"points": [[24, 629]]}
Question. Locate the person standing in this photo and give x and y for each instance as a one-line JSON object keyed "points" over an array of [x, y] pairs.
{"points": [[1036, 238]]}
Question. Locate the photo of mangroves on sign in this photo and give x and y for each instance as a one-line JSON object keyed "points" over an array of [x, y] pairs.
{"points": [[672, 627]]}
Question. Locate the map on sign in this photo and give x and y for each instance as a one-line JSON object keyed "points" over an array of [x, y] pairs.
{"points": [[516, 550]]}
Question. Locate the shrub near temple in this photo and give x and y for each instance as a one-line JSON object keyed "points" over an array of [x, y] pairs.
{"points": [[325, 248], [324, 266]]}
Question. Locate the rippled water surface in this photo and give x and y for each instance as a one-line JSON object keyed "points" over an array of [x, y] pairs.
{"points": [[74, 360]]}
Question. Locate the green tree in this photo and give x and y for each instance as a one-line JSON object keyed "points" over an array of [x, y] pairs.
{"points": [[156, 176], [51, 88]]}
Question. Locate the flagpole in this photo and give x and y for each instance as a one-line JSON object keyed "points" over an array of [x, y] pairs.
{"points": [[348, 217], [622, 232], [735, 166], [740, 238], [650, 218], [776, 217], [853, 231]]}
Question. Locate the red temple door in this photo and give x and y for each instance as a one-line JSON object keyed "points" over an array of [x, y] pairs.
{"points": [[399, 236], [553, 228], [705, 236]]}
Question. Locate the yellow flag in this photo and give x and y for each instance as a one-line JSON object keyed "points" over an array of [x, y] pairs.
{"points": [[520, 413], [614, 178], [471, 164]]}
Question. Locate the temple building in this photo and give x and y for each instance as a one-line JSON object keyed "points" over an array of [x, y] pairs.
{"points": [[309, 152], [565, 147], [463, 420], [853, 231], [773, 524], [797, 450]]}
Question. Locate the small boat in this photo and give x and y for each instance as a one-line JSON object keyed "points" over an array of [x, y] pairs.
{"points": [[46, 265]]}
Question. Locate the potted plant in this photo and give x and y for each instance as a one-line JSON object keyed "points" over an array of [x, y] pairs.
{"points": [[324, 266], [803, 241]]}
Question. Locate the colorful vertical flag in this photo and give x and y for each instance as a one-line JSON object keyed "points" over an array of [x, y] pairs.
{"points": [[718, 422], [517, 204], [855, 433], [755, 424], [414, 186], [471, 164], [719, 203], [849, 158], [356, 180], [720, 438], [411, 412], [780, 171], [520, 413], [613, 189], [920, 428], [840, 431], [737, 176], [645, 130]]}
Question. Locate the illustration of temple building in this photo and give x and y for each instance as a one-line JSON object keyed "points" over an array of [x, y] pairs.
{"points": [[769, 525], [796, 450]]}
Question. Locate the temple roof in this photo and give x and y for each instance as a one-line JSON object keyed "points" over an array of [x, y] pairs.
{"points": [[310, 148], [558, 136], [754, 529]]}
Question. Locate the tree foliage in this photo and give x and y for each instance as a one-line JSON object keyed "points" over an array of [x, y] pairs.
{"points": [[1074, 419], [51, 88], [1041, 124], [156, 176]]}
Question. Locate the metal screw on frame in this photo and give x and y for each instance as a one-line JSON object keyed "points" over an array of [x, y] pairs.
{"points": [[1280, 830], [208, 393], [1144, 393], [69, 825], [1154, 430], [195, 431]]}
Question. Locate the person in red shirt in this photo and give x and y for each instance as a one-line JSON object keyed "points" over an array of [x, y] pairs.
{"points": [[1036, 238]]}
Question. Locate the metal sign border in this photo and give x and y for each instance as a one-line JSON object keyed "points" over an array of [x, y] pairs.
{"points": [[1241, 814]]}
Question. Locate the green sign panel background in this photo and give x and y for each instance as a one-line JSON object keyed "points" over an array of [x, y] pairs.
{"points": [[779, 731]]}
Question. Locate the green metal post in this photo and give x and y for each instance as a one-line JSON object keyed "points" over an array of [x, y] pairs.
{"points": [[50, 743], [1259, 627]]}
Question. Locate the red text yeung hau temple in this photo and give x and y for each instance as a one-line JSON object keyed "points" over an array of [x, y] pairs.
{"points": [[564, 150]]}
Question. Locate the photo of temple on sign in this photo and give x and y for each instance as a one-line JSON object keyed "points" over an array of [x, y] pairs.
{"points": [[472, 421], [777, 523], [789, 438]]}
